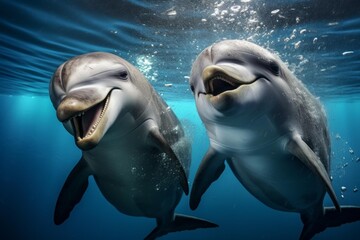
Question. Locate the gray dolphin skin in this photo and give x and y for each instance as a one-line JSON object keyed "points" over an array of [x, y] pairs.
{"points": [[131, 141], [269, 129]]}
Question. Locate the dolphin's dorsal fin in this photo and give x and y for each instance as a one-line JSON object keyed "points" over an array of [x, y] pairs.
{"points": [[211, 167], [160, 142], [305, 154], [72, 191]]}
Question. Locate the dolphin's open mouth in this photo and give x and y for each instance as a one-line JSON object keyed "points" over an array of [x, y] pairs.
{"points": [[220, 79], [86, 122], [219, 84]]}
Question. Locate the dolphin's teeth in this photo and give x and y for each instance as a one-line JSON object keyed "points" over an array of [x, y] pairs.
{"points": [[92, 129], [94, 125]]}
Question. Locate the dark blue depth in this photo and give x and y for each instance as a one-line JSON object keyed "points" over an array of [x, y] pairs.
{"points": [[37, 154]]}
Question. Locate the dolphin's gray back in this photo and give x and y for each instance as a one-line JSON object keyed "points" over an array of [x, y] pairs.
{"points": [[169, 125], [172, 130], [311, 116]]}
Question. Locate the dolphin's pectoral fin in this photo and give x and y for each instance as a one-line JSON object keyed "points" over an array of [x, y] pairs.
{"points": [[180, 223], [303, 152], [72, 191], [209, 171], [331, 218], [158, 139]]}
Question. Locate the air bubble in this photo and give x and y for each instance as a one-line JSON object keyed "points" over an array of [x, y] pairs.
{"points": [[273, 12], [219, 4], [351, 151], [224, 12], [171, 13], [235, 8]]}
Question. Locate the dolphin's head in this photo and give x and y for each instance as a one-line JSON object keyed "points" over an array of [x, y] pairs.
{"points": [[91, 91], [235, 77]]}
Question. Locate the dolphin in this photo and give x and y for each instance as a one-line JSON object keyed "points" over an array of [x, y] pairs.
{"points": [[132, 143], [270, 130]]}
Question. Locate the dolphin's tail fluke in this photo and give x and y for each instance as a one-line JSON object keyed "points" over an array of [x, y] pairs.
{"points": [[331, 218], [180, 223]]}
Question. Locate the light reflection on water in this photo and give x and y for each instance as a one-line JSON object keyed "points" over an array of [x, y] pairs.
{"points": [[321, 48]]}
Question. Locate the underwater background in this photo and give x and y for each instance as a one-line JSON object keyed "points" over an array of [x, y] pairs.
{"points": [[318, 39]]}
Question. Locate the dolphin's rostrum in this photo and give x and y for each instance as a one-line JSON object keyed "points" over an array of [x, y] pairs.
{"points": [[270, 130], [131, 141]]}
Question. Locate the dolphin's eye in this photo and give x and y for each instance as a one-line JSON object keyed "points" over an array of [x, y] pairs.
{"points": [[122, 75], [274, 68], [192, 88]]}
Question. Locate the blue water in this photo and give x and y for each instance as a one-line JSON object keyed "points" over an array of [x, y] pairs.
{"points": [[319, 40]]}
